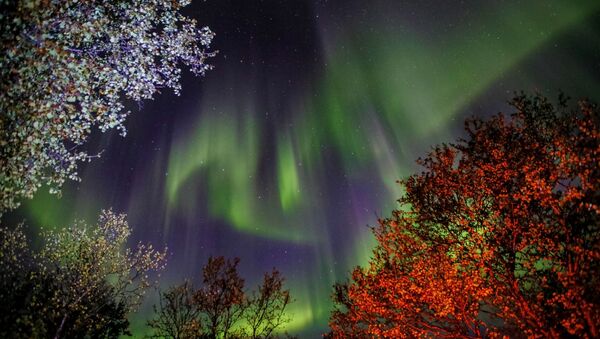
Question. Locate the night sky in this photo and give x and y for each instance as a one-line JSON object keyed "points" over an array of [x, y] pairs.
{"points": [[286, 151]]}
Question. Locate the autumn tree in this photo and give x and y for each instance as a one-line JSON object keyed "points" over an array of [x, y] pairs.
{"points": [[498, 236], [67, 67], [221, 298], [83, 282], [221, 307]]}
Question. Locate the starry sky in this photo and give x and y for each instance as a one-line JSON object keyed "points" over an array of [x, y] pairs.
{"points": [[290, 148]]}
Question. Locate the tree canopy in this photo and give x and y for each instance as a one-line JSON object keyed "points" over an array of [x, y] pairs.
{"points": [[67, 67], [83, 282], [499, 235], [220, 307]]}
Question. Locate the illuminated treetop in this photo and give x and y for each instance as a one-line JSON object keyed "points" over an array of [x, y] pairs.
{"points": [[498, 236], [67, 66]]}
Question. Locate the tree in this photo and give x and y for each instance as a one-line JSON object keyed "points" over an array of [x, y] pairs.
{"points": [[266, 307], [221, 307], [498, 236], [82, 283], [221, 299], [67, 66], [178, 316]]}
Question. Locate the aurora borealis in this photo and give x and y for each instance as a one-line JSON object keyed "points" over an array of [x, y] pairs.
{"points": [[292, 145]]}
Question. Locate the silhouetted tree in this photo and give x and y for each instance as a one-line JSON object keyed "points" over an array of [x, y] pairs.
{"points": [[221, 298], [82, 282], [178, 316], [220, 307], [499, 235], [266, 307]]}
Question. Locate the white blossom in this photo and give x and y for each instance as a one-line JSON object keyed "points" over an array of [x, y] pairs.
{"points": [[67, 66]]}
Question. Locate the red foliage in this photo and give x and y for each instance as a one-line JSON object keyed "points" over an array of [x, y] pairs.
{"points": [[498, 236]]}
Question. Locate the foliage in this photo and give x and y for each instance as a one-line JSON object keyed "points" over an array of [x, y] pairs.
{"points": [[498, 236], [82, 282], [220, 307], [66, 66], [221, 298]]}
